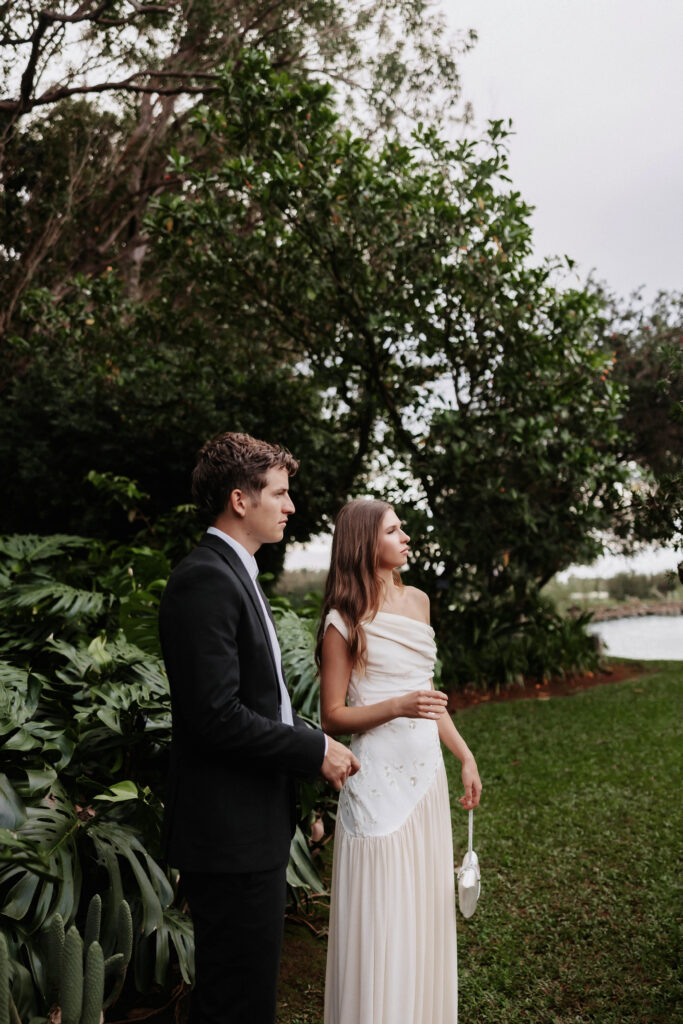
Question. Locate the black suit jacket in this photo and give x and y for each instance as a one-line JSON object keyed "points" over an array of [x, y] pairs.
{"points": [[229, 802]]}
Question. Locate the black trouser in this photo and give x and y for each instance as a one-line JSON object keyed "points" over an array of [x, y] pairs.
{"points": [[238, 922]]}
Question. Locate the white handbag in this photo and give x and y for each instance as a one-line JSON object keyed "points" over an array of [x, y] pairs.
{"points": [[469, 877]]}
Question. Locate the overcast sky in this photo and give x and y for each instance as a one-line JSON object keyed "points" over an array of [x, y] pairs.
{"points": [[595, 92]]}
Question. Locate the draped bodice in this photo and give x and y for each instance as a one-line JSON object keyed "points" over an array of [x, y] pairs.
{"points": [[398, 759]]}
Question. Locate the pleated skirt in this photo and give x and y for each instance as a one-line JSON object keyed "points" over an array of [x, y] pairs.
{"points": [[392, 954]]}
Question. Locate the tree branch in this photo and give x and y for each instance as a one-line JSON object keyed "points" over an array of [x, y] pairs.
{"points": [[83, 14], [125, 85], [29, 74]]}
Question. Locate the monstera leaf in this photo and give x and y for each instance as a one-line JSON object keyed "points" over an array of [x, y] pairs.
{"points": [[297, 639], [24, 548], [30, 898], [301, 871], [43, 593], [153, 952], [12, 810]]}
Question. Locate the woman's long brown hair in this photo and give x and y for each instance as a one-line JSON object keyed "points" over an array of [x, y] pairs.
{"points": [[353, 587]]}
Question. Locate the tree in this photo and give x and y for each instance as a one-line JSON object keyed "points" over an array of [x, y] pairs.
{"points": [[133, 388], [388, 284], [97, 90], [647, 340], [400, 276], [102, 366]]}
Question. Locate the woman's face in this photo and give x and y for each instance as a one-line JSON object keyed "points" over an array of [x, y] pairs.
{"points": [[393, 542]]}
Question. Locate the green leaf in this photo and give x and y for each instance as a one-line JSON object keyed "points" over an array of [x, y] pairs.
{"points": [[153, 886], [111, 719], [125, 790], [53, 597], [301, 871], [12, 810]]}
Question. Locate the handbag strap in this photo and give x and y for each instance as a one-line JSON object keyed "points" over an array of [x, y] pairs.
{"points": [[470, 826]]}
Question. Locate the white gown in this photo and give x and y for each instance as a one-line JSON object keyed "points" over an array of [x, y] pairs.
{"points": [[392, 955]]}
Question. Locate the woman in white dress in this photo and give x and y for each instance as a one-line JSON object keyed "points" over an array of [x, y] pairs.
{"points": [[392, 946]]}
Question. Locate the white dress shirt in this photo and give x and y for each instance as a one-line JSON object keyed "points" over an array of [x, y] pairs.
{"points": [[250, 564]]}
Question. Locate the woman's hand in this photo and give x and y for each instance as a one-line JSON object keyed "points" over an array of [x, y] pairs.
{"points": [[472, 784], [422, 704]]}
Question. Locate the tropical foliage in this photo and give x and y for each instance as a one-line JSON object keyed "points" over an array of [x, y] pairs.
{"points": [[297, 632], [85, 726], [85, 720]]}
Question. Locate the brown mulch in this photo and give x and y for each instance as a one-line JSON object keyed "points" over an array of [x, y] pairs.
{"points": [[556, 686]]}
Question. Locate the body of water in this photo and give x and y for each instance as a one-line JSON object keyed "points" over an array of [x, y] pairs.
{"points": [[647, 637]]}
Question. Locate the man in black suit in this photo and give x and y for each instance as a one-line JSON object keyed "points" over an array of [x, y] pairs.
{"points": [[236, 746]]}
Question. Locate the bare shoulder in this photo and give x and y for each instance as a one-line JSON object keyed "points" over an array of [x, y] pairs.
{"points": [[416, 603]]}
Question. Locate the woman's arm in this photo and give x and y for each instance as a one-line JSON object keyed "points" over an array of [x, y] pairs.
{"points": [[335, 672], [451, 738]]}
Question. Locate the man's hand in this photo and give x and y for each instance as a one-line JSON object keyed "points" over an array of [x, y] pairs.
{"points": [[339, 763]]}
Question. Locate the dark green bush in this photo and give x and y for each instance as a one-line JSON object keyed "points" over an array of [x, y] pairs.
{"points": [[492, 652]]}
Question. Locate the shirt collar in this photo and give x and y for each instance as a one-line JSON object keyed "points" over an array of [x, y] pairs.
{"points": [[248, 561]]}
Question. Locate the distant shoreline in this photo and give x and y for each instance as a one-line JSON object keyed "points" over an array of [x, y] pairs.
{"points": [[632, 610]]}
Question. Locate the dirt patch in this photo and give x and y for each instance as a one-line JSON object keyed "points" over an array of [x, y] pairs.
{"points": [[301, 989], [556, 686]]}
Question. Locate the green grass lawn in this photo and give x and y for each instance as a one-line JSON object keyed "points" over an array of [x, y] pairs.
{"points": [[579, 837]]}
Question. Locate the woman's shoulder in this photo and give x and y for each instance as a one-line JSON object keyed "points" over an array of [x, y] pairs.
{"points": [[416, 603]]}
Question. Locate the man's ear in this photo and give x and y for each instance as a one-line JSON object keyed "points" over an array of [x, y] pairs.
{"points": [[237, 501]]}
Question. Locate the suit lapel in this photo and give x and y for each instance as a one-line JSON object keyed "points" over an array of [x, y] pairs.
{"points": [[235, 562]]}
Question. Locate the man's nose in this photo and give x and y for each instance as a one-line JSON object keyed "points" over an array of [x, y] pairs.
{"points": [[289, 507]]}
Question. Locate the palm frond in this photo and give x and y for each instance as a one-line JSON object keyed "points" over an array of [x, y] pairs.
{"points": [[30, 547], [51, 597]]}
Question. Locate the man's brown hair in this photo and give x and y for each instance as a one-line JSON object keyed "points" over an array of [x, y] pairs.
{"points": [[234, 462]]}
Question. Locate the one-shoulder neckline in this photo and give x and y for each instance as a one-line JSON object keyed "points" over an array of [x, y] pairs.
{"points": [[408, 618]]}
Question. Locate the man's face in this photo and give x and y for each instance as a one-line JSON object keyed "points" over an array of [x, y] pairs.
{"points": [[266, 514]]}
